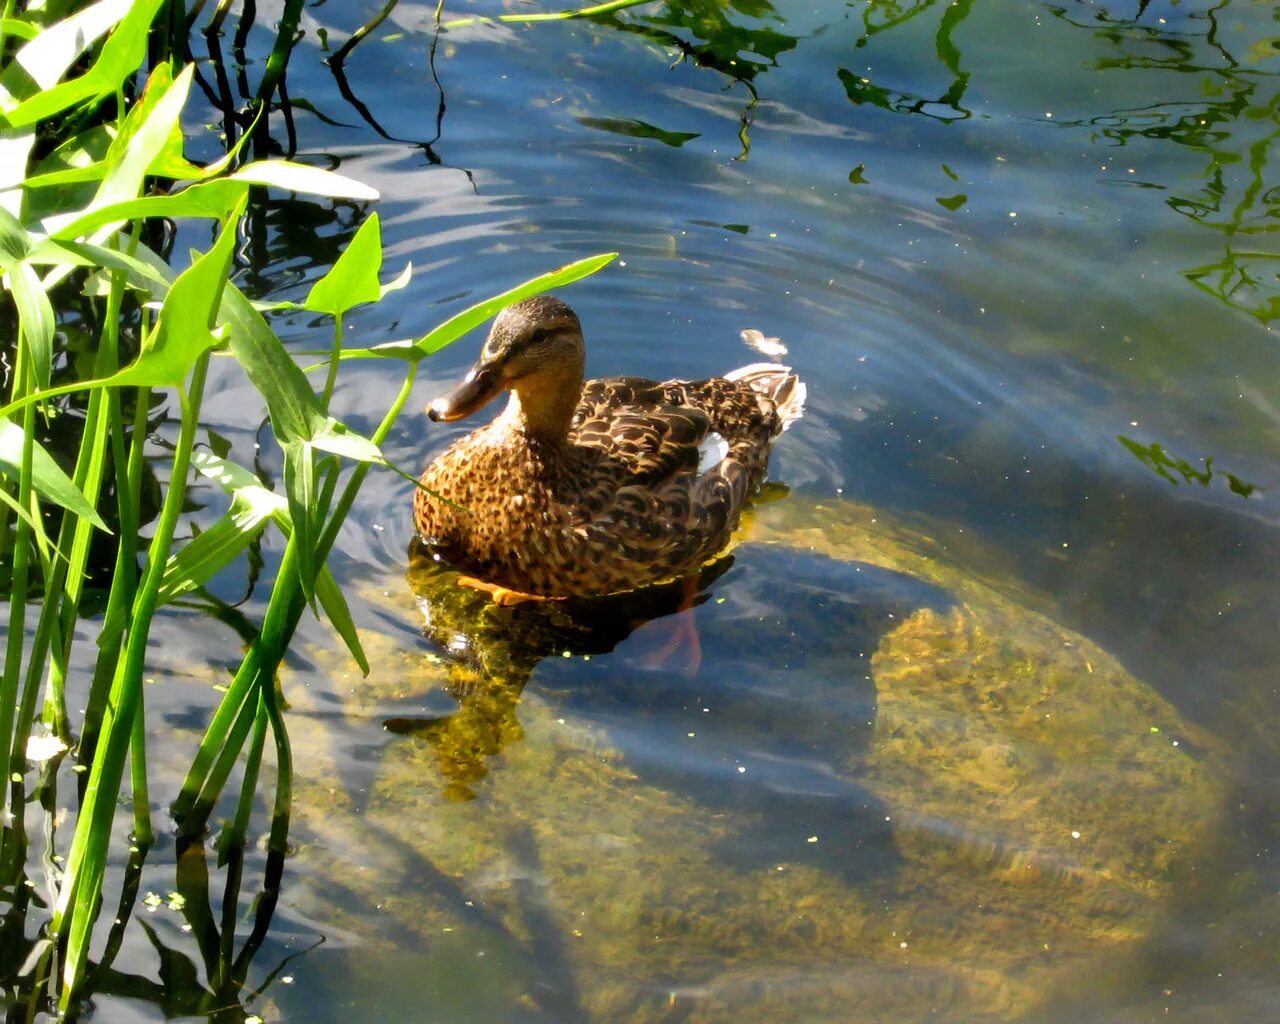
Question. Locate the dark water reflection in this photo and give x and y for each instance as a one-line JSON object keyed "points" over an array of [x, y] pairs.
{"points": [[1025, 255]]}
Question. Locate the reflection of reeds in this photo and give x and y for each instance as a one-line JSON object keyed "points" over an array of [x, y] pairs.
{"points": [[158, 329], [1235, 124]]}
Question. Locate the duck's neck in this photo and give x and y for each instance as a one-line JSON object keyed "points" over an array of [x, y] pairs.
{"points": [[541, 405]]}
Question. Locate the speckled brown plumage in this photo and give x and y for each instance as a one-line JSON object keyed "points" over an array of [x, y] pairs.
{"points": [[558, 497]]}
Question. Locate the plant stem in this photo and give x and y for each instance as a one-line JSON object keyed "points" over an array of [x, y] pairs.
{"points": [[225, 735], [124, 578], [331, 378], [143, 835], [9, 743], [86, 861], [88, 477]]}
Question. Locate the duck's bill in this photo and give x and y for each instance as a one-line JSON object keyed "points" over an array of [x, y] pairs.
{"points": [[478, 388]]}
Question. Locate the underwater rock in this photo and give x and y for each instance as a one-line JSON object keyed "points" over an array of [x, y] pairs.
{"points": [[909, 794]]}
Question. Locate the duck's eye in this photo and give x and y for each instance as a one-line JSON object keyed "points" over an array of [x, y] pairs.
{"points": [[539, 335]]}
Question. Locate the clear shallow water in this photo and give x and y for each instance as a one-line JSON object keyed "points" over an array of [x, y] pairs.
{"points": [[988, 236]]}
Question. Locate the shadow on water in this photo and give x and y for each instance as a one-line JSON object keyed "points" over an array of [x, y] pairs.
{"points": [[780, 613]]}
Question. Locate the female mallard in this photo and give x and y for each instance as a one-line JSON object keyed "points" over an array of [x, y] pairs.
{"points": [[588, 489]]}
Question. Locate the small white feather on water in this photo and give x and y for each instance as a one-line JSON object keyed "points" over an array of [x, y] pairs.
{"points": [[41, 746], [771, 347]]}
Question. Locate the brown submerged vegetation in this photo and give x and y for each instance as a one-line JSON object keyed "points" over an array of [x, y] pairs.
{"points": [[1039, 817]]}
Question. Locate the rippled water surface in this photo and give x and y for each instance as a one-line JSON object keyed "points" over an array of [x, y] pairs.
{"points": [[985, 722]]}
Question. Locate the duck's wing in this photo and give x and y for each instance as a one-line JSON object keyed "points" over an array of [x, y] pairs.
{"points": [[646, 439], [660, 487]]}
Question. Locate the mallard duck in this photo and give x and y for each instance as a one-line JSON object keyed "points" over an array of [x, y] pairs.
{"points": [[582, 489]]}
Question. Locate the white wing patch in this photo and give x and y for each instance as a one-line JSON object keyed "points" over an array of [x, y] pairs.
{"points": [[712, 451]]}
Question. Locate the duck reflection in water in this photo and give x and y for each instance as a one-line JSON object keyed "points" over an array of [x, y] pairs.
{"points": [[491, 650]]}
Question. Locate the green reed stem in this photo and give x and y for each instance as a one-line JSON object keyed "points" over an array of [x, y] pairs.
{"points": [[64, 577], [330, 533], [9, 744], [125, 575], [89, 475], [331, 378], [363, 31], [5, 15], [220, 13], [226, 733], [227, 742], [143, 835], [86, 861], [278, 839], [238, 832]]}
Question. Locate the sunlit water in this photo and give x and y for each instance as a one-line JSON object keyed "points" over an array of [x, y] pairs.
{"points": [[1010, 246]]}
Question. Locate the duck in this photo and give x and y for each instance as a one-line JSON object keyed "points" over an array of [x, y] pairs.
{"points": [[581, 489]]}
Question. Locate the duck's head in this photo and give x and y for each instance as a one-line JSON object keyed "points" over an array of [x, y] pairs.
{"points": [[535, 350]]}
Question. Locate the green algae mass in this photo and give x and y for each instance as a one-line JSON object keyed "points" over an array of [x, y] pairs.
{"points": [[976, 808]]}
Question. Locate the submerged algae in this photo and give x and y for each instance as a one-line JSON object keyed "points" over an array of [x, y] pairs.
{"points": [[954, 806]]}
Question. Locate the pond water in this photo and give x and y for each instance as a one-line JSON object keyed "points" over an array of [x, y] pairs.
{"points": [[985, 725]]}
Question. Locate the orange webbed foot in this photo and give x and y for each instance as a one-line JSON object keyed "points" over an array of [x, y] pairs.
{"points": [[502, 596], [682, 644]]}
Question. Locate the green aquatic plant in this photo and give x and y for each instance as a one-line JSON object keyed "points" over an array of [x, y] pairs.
{"points": [[87, 156], [1171, 467]]}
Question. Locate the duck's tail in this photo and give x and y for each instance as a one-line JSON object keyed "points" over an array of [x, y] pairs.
{"points": [[777, 383]]}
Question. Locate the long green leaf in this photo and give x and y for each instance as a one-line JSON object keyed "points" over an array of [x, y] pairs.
{"points": [[211, 198], [140, 273], [295, 413], [456, 326], [47, 477], [35, 314], [338, 438], [215, 548], [143, 138], [300, 488], [121, 54], [45, 59], [14, 504], [230, 476], [183, 332], [18, 29], [459, 324], [582, 12], [15, 243], [335, 607], [295, 177]]}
